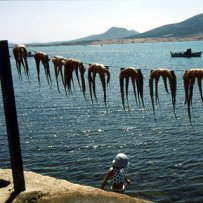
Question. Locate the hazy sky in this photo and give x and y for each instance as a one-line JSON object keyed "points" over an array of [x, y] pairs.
{"points": [[46, 21]]}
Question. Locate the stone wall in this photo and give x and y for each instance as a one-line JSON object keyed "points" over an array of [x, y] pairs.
{"points": [[45, 189]]}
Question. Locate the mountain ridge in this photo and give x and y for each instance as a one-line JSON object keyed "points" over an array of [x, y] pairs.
{"points": [[111, 33], [189, 29], [190, 26]]}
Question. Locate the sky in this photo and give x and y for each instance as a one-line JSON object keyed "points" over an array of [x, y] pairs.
{"points": [[50, 21]]}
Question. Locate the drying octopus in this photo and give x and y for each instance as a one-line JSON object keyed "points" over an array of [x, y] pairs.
{"points": [[71, 65], [102, 71], [165, 73], [44, 59], [20, 54], [58, 64], [136, 76], [189, 81]]}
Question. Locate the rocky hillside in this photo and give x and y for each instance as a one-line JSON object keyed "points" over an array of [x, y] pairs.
{"points": [[189, 27], [112, 33]]}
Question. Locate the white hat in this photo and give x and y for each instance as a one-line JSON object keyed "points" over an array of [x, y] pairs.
{"points": [[120, 161]]}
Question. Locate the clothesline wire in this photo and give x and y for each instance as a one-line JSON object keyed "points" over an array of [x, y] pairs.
{"points": [[87, 63]]}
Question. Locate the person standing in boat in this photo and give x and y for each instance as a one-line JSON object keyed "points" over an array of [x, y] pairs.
{"points": [[117, 175]]}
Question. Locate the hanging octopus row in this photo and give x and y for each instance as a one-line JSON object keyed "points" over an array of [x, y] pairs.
{"points": [[66, 67], [189, 81], [165, 74], [20, 55]]}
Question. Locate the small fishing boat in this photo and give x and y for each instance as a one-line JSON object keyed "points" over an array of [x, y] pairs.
{"points": [[30, 54], [187, 53]]}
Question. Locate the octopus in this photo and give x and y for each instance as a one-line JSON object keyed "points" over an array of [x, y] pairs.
{"points": [[71, 65], [189, 80], [44, 59], [165, 73], [136, 76], [20, 54], [103, 72], [58, 64]]}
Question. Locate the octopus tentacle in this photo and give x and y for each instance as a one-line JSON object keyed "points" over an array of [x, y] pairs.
{"points": [[69, 79], [65, 75], [174, 89], [140, 84], [61, 73], [108, 74], [38, 70], [70, 76], [24, 60], [90, 80], [18, 65], [56, 72], [94, 85], [173, 84], [192, 81], [25, 64], [199, 80], [126, 89], [165, 84], [82, 73], [151, 89], [134, 89], [121, 78], [156, 89], [186, 85], [48, 75], [103, 82], [75, 65], [68, 67]]}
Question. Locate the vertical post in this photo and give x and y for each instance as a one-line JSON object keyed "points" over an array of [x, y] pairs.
{"points": [[11, 118]]}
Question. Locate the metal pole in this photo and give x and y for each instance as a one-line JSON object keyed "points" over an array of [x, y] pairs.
{"points": [[11, 118]]}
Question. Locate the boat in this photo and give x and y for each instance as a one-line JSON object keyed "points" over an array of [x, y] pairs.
{"points": [[30, 54], [187, 53]]}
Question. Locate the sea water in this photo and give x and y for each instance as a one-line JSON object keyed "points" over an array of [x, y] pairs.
{"points": [[66, 136]]}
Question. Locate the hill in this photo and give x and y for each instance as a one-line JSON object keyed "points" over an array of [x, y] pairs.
{"points": [[112, 33], [187, 30], [189, 27]]}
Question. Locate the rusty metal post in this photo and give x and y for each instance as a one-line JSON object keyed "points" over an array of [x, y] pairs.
{"points": [[11, 118]]}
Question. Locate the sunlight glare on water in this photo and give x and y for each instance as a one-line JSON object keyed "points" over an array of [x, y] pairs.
{"points": [[68, 137]]}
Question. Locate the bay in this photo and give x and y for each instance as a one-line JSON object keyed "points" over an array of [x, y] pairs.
{"points": [[68, 137]]}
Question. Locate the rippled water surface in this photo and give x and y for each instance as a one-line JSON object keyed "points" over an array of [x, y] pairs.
{"points": [[68, 137]]}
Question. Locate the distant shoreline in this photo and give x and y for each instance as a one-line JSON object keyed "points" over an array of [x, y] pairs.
{"points": [[120, 41], [148, 40]]}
